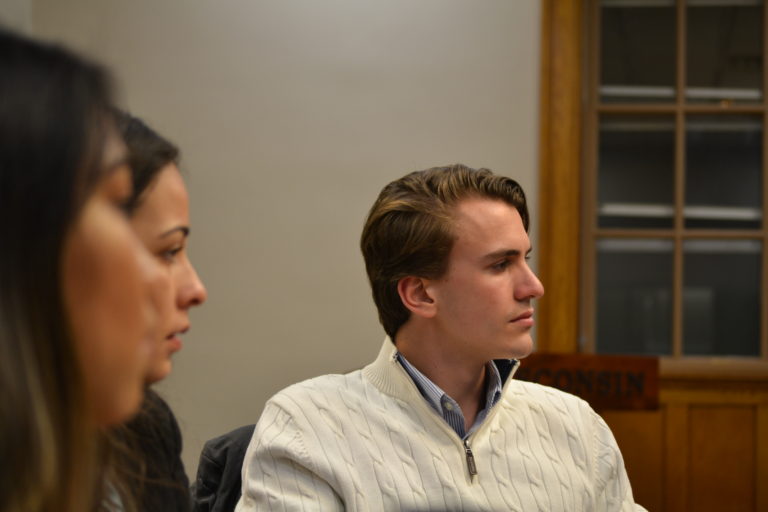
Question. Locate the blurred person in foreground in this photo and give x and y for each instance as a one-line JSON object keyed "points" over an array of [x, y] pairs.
{"points": [[437, 421], [78, 290]]}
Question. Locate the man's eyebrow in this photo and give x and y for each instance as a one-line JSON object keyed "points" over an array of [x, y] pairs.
{"points": [[505, 253], [184, 230]]}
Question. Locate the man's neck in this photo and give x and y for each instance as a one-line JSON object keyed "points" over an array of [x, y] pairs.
{"points": [[459, 377]]}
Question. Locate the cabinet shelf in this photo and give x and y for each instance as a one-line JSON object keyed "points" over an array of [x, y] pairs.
{"points": [[709, 212]]}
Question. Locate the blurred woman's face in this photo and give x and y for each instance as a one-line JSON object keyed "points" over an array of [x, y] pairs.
{"points": [[161, 221], [111, 289]]}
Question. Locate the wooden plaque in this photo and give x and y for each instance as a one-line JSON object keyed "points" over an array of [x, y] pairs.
{"points": [[605, 381]]}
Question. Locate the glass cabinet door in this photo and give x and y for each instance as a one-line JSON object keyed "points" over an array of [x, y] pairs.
{"points": [[723, 172], [675, 218], [637, 51], [634, 296], [636, 172], [724, 43], [721, 297]]}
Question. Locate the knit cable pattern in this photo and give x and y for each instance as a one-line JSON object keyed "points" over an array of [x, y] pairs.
{"points": [[368, 441]]}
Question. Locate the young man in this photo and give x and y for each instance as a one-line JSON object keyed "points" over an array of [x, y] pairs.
{"points": [[436, 422]]}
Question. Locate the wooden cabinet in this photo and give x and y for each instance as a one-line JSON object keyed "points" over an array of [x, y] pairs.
{"points": [[706, 446], [704, 449]]}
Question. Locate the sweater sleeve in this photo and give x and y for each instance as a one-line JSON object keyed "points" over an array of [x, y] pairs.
{"points": [[278, 473], [613, 492]]}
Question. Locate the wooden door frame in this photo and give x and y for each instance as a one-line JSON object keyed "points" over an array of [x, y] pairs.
{"points": [[560, 141]]}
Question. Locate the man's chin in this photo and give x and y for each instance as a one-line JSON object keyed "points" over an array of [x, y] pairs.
{"points": [[521, 349]]}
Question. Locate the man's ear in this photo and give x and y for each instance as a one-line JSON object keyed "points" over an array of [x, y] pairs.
{"points": [[415, 296]]}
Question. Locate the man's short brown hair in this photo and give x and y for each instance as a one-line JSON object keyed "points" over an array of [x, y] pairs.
{"points": [[409, 230]]}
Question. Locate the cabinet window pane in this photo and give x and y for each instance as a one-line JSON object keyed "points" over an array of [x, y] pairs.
{"points": [[723, 172], [721, 297], [725, 51], [634, 296], [636, 172], [637, 51]]}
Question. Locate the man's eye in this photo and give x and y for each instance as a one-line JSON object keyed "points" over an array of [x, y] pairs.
{"points": [[501, 265]]}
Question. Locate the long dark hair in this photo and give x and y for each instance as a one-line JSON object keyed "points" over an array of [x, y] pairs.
{"points": [[148, 153], [54, 108]]}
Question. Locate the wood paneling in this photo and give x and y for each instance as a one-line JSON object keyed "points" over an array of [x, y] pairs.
{"points": [[722, 457], [559, 175], [705, 449], [675, 458], [639, 434], [762, 457]]}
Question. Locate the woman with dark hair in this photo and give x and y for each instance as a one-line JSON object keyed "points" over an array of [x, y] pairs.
{"points": [[77, 287], [159, 212], [147, 450]]}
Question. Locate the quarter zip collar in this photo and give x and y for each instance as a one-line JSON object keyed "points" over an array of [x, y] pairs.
{"points": [[445, 405], [391, 378]]}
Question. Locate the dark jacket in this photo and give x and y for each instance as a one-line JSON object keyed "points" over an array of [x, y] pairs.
{"points": [[152, 465], [218, 482]]}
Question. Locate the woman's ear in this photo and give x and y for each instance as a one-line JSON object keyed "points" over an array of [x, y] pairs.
{"points": [[415, 296]]}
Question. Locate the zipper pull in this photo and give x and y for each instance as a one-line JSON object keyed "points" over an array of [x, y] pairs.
{"points": [[470, 461]]}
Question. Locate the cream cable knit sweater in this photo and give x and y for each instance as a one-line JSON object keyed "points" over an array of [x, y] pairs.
{"points": [[369, 441]]}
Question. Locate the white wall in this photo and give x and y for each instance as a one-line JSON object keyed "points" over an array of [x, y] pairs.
{"points": [[16, 14], [291, 116]]}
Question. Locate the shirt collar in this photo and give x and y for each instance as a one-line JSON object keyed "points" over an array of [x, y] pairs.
{"points": [[434, 394]]}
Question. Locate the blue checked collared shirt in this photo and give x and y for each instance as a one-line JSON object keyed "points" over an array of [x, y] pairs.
{"points": [[446, 406]]}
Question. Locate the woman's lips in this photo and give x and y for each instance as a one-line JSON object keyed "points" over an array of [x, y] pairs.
{"points": [[174, 343], [174, 339]]}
